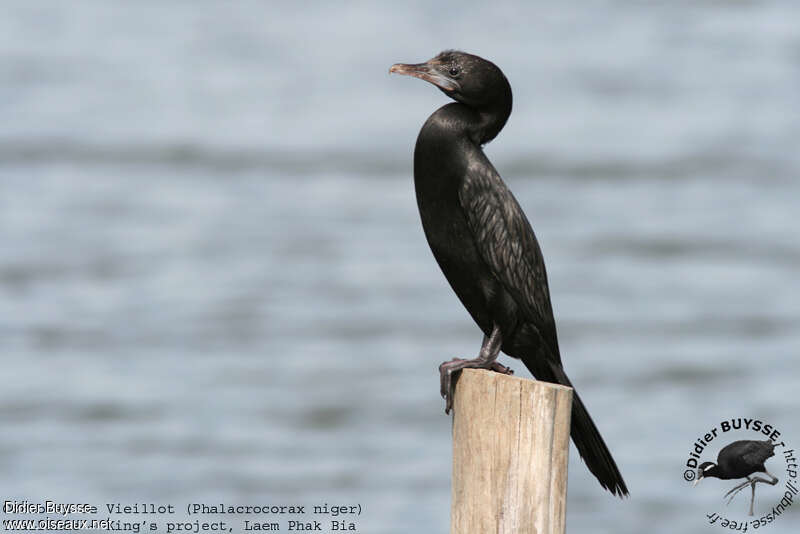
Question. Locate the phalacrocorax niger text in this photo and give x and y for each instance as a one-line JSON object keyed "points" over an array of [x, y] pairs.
{"points": [[740, 459], [483, 242]]}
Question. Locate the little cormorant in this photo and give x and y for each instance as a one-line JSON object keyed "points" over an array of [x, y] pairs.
{"points": [[483, 242], [737, 460]]}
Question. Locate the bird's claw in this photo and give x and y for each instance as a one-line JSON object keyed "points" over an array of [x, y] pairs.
{"points": [[498, 367], [450, 371], [447, 382]]}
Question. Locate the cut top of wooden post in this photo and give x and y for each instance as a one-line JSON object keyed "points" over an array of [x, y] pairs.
{"points": [[510, 454]]}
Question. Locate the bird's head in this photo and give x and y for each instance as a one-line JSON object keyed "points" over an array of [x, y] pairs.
{"points": [[703, 470], [464, 77]]}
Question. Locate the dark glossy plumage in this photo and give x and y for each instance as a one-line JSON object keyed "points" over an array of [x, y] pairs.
{"points": [[740, 459], [483, 241]]}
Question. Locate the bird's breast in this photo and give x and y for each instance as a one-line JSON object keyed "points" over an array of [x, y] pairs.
{"points": [[437, 178]]}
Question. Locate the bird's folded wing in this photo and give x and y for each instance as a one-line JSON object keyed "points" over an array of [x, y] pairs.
{"points": [[507, 244], [757, 453]]}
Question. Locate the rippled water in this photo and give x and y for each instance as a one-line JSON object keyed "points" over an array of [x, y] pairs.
{"points": [[214, 285]]}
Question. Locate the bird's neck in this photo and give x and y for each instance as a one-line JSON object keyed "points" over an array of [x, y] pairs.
{"points": [[478, 124], [713, 472], [493, 117]]}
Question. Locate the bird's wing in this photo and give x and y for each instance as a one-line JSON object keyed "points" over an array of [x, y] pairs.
{"points": [[507, 244], [744, 454], [757, 452]]}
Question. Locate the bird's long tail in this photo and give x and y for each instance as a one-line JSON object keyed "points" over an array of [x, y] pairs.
{"points": [[584, 433]]}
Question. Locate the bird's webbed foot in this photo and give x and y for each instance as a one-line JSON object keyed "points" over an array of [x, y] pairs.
{"points": [[498, 367], [487, 359]]}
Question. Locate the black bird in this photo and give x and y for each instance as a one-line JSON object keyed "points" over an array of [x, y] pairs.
{"points": [[740, 459], [483, 242]]}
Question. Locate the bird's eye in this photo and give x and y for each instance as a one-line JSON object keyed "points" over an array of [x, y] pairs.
{"points": [[454, 71]]}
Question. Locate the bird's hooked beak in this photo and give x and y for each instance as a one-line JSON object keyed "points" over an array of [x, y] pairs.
{"points": [[697, 480], [429, 73]]}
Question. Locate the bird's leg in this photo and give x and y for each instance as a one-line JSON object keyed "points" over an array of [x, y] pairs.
{"points": [[487, 359], [737, 489], [757, 480], [752, 483], [753, 486], [770, 482]]}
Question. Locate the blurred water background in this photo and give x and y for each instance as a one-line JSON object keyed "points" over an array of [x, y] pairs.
{"points": [[214, 285]]}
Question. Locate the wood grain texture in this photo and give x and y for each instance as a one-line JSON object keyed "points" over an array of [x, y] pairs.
{"points": [[510, 454]]}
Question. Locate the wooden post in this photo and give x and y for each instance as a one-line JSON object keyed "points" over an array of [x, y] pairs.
{"points": [[510, 454]]}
